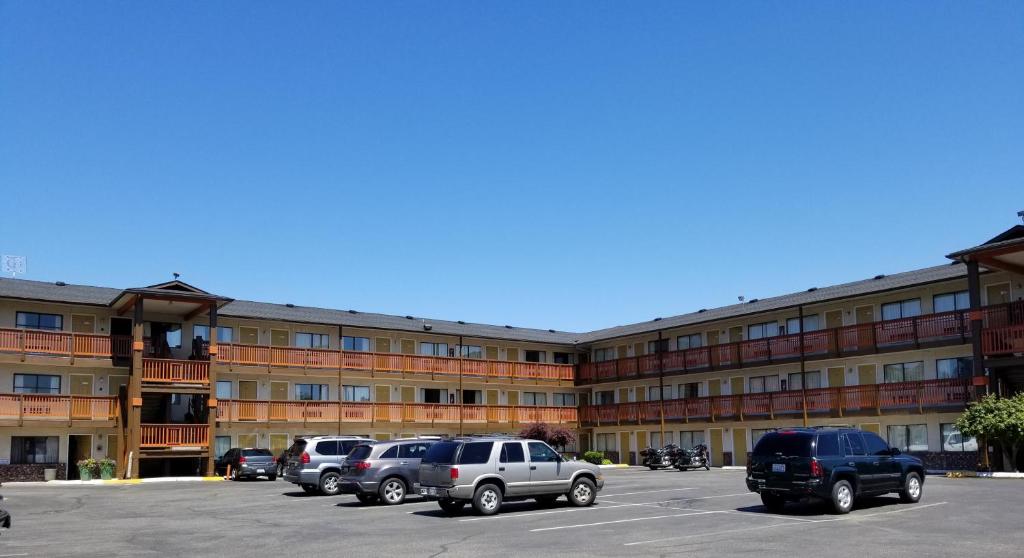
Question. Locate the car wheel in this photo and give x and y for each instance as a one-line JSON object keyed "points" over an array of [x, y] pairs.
{"points": [[272, 478], [487, 499], [392, 491], [310, 489], [234, 474], [582, 493], [366, 498], [912, 488], [547, 499], [707, 467], [842, 497], [330, 484], [280, 470], [451, 507], [652, 467], [773, 502]]}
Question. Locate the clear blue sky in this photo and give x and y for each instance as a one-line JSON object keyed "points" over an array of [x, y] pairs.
{"points": [[545, 164]]}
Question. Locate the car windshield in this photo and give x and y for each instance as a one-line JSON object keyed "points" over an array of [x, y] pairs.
{"points": [[256, 452], [786, 444], [359, 452], [441, 452]]}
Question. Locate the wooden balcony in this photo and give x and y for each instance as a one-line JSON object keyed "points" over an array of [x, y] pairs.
{"points": [[1003, 333], [403, 413], [22, 407], [912, 397], [63, 344], [331, 359], [170, 371], [175, 436], [947, 328]]}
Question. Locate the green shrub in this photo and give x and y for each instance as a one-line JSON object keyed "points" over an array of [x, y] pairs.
{"points": [[595, 457], [606, 462]]}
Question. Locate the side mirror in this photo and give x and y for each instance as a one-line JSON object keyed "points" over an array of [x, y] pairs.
{"points": [[894, 451]]}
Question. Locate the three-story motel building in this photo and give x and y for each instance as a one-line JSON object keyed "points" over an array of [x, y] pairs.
{"points": [[165, 378]]}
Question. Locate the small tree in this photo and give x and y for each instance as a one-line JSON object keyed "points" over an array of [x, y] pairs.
{"points": [[996, 419], [535, 431], [560, 436]]}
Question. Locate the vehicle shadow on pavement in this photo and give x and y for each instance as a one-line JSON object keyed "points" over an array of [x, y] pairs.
{"points": [[300, 494], [507, 508], [821, 508], [353, 503]]}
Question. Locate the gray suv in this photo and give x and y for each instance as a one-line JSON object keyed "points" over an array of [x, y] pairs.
{"points": [[489, 470], [385, 472], [315, 463]]}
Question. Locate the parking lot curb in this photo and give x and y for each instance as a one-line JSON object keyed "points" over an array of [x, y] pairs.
{"points": [[115, 482]]}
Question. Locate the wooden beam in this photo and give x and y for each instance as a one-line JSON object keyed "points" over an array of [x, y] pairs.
{"points": [[128, 305], [202, 308], [992, 263]]}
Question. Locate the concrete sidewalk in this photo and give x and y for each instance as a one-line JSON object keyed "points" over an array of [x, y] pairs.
{"points": [[115, 482]]}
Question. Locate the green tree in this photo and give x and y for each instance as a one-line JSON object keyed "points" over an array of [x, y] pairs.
{"points": [[999, 420]]}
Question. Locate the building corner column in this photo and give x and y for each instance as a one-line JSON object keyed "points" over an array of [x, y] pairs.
{"points": [[211, 401]]}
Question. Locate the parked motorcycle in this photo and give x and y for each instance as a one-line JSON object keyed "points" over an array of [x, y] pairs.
{"points": [[5, 518], [663, 458], [694, 458]]}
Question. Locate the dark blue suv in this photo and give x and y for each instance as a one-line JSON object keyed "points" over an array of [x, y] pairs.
{"points": [[833, 464]]}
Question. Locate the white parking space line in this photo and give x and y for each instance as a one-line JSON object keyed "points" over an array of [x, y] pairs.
{"points": [[781, 525], [694, 498], [646, 492], [634, 519], [513, 515]]}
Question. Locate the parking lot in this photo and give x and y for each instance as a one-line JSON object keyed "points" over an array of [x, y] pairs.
{"points": [[640, 512]]}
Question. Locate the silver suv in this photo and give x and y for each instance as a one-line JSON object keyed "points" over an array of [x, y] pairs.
{"points": [[315, 463], [489, 470], [385, 472]]}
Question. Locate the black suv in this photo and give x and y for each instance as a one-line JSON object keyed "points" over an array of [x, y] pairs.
{"points": [[833, 464]]}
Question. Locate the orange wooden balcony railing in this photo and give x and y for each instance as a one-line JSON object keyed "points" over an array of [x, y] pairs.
{"points": [[175, 435], [170, 371], [294, 357], [63, 344], [837, 401], [27, 406], [944, 328], [236, 410]]}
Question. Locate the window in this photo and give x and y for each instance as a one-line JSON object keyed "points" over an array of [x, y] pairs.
{"points": [[434, 395], [562, 358], [654, 347], [949, 368], [763, 384], [604, 397], [853, 444], [953, 440], [471, 351], [564, 399], [472, 397], [535, 356], [605, 442], [828, 445], [346, 446], [690, 439], [762, 330], [541, 453], [441, 452], [36, 383], [221, 445], [756, 433], [601, 355], [311, 392], [35, 320], [912, 437], [535, 398], [948, 302], [903, 372], [434, 349], [34, 449], [355, 344], [476, 453], [355, 393], [688, 341], [902, 309], [413, 451], [390, 453], [328, 447], [656, 439], [313, 340], [223, 389], [875, 444], [512, 452], [171, 334], [690, 390], [813, 380], [653, 393], [810, 324], [224, 334]]}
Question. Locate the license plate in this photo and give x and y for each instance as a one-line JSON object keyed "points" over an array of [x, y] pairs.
{"points": [[778, 467], [428, 491], [261, 470]]}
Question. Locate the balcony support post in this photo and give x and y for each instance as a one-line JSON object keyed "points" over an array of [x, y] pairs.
{"points": [[133, 405], [803, 365], [661, 385], [341, 365], [974, 293], [211, 402], [461, 395]]}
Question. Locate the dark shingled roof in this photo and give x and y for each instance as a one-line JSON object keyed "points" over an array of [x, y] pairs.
{"points": [[823, 294], [102, 296]]}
